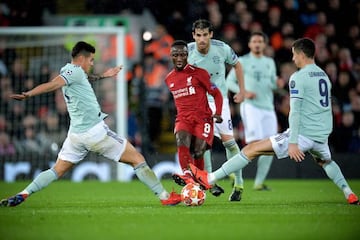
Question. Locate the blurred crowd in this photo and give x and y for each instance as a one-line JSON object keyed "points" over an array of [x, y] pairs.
{"points": [[39, 125]]}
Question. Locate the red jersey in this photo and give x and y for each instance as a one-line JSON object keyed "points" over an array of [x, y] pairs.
{"points": [[189, 88]]}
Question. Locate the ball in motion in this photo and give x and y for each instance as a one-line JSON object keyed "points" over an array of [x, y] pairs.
{"points": [[193, 195]]}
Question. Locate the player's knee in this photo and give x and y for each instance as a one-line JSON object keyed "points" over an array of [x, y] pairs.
{"points": [[249, 152], [131, 156], [321, 162], [199, 154], [182, 140]]}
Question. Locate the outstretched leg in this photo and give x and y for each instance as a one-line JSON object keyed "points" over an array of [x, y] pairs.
{"points": [[333, 171], [40, 182]]}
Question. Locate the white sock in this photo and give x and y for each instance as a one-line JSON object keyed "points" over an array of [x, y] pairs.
{"points": [[163, 195], [235, 163], [232, 149], [148, 177], [263, 167], [207, 161], [41, 181], [334, 173]]}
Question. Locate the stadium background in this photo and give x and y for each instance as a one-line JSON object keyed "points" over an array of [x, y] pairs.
{"points": [[34, 131]]}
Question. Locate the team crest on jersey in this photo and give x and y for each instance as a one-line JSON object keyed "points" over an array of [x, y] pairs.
{"points": [[68, 72], [216, 59], [292, 86], [188, 81]]}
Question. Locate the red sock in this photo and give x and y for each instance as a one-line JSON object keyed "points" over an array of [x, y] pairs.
{"points": [[184, 157], [199, 163]]}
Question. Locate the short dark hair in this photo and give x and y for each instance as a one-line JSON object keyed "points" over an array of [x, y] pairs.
{"points": [[258, 33], [82, 48], [305, 45], [202, 24], [179, 43]]}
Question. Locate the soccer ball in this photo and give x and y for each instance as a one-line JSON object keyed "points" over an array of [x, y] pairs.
{"points": [[193, 195]]}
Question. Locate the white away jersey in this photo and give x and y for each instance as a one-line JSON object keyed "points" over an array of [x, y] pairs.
{"points": [[81, 101]]}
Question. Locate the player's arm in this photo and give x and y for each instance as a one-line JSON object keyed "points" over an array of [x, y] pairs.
{"points": [[108, 73], [51, 86], [239, 97], [215, 92], [294, 121], [232, 82], [296, 99]]}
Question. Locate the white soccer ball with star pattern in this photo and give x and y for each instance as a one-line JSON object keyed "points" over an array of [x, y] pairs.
{"points": [[193, 195]]}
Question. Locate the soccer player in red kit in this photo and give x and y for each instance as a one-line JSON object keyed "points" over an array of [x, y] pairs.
{"points": [[194, 130]]}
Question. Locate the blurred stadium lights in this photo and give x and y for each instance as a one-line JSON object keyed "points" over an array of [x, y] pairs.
{"points": [[147, 36]]}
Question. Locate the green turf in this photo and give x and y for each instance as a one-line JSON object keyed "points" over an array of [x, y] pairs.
{"points": [[294, 209]]}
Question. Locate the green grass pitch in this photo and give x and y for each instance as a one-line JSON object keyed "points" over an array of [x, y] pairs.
{"points": [[293, 209]]}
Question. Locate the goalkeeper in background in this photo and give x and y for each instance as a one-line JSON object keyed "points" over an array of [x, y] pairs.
{"points": [[88, 131]]}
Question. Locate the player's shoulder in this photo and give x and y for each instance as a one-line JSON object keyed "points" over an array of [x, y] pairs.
{"points": [[193, 68], [191, 46], [169, 75], [295, 75], [71, 70], [312, 70], [73, 67], [269, 61], [246, 56], [218, 43], [267, 58]]}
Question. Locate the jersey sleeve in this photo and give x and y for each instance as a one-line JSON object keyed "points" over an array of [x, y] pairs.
{"points": [[231, 57], [232, 82], [296, 88], [273, 74], [70, 75], [212, 89]]}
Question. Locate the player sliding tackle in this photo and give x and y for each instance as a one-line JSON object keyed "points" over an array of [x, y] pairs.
{"points": [[310, 124], [88, 131]]}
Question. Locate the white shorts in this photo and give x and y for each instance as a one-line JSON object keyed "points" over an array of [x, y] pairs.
{"points": [[99, 139], [258, 123], [280, 144], [226, 127]]}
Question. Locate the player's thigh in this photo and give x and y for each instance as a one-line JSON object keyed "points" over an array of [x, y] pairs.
{"points": [[73, 149], [258, 123], [320, 150], [269, 124], [255, 149], [111, 146], [131, 156], [225, 128], [280, 144], [183, 137]]}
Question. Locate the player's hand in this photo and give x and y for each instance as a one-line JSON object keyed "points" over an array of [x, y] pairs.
{"points": [[250, 95], [218, 118], [280, 82], [20, 97], [295, 153], [112, 71], [239, 97]]}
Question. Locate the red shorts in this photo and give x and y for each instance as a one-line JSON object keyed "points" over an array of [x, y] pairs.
{"points": [[200, 128]]}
